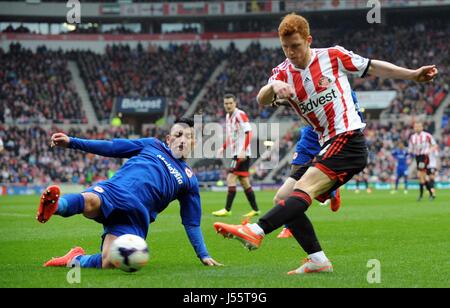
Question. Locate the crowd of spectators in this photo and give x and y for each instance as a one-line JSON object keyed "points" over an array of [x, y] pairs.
{"points": [[445, 147], [210, 170], [28, 157], [37, 87], [176, 73], [242, 76], [396, 46], [19, 29], [179, 72]]}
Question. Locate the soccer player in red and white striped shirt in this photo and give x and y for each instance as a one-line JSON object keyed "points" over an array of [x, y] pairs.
{"points": [[315, 83], [238, 139], [421, 144]]}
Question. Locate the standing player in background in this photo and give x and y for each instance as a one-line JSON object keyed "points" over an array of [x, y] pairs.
{"points": [[238, 139], [154, 175], [315, 82], [432, 168], [363, 177], [420, 145], [400, 154]]}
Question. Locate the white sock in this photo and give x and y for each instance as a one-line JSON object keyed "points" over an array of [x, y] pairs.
{"points": [[256, 228], [319, 257]]}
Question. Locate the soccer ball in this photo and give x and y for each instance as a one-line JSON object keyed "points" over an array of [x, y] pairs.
{"points": [[129, 253]]}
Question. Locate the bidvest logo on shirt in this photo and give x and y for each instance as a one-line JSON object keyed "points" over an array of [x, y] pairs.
{"points": [[318, 100], [172, 170]]}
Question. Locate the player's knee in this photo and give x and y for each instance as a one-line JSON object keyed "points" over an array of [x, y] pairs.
{"points": [[245, 182], [231, 181], [276, 200], [91, 205]]}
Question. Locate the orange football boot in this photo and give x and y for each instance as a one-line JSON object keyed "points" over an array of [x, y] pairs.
{"points": [[242, 233], [64, 260], [309, 266], [285, 233], [48, 203]]}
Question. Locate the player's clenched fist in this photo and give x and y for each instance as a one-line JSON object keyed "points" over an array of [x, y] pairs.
{"points": [[59, 140], [425, 73], [282, 89]]}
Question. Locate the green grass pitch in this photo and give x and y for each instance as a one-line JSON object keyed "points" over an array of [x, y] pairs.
{"points": [[409, 238]]}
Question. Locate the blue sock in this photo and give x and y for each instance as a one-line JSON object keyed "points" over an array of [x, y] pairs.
{"points": [[90, 261], [69, 205], [333, 194]]}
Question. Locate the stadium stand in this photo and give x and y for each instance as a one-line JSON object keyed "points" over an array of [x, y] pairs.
{"points": [[36, 87], [28, 157], [123, 71]]}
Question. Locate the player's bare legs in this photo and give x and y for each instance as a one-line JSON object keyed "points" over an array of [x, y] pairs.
{"points": [[231, 184], [422, 181], [284, 191], [314, 183], [232, 180], [109, 238], [245, 182], [430, 180], [247, 186], [290, 212]]}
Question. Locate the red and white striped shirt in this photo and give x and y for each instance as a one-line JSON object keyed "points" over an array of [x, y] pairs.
{"points": [[237, 125], [434, 155], [323, 92], [421, 143]]}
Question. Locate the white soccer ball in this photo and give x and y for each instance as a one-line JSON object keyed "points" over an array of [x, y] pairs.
{"points": [[129, 253]]}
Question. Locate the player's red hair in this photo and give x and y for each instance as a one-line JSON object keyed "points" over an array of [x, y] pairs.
{"points": [[293, 23]]}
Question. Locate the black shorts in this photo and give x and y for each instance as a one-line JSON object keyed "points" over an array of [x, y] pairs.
{"points": [[340, 158], [431, 171], [240, 166], [422, 162]]}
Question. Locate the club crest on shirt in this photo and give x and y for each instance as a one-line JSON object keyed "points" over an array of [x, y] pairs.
{"points": [[295, 155], [99, 189], [324, 82], [188, 172]]}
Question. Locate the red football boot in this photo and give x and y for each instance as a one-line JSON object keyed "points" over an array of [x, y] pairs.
{"points": [[48, 203]]}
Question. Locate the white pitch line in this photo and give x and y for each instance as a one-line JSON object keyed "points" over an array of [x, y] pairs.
{"points": [[15, 215]]}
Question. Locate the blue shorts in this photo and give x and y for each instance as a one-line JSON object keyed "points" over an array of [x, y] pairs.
{"points": [[121, 214], [402, 172], [301, 158]]}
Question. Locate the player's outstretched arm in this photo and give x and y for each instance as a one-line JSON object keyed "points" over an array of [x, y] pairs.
{"points": [[121, 148], [385, 69]]}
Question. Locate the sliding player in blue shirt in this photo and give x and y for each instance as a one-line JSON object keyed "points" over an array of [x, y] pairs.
{"points": [[155, 175]]}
